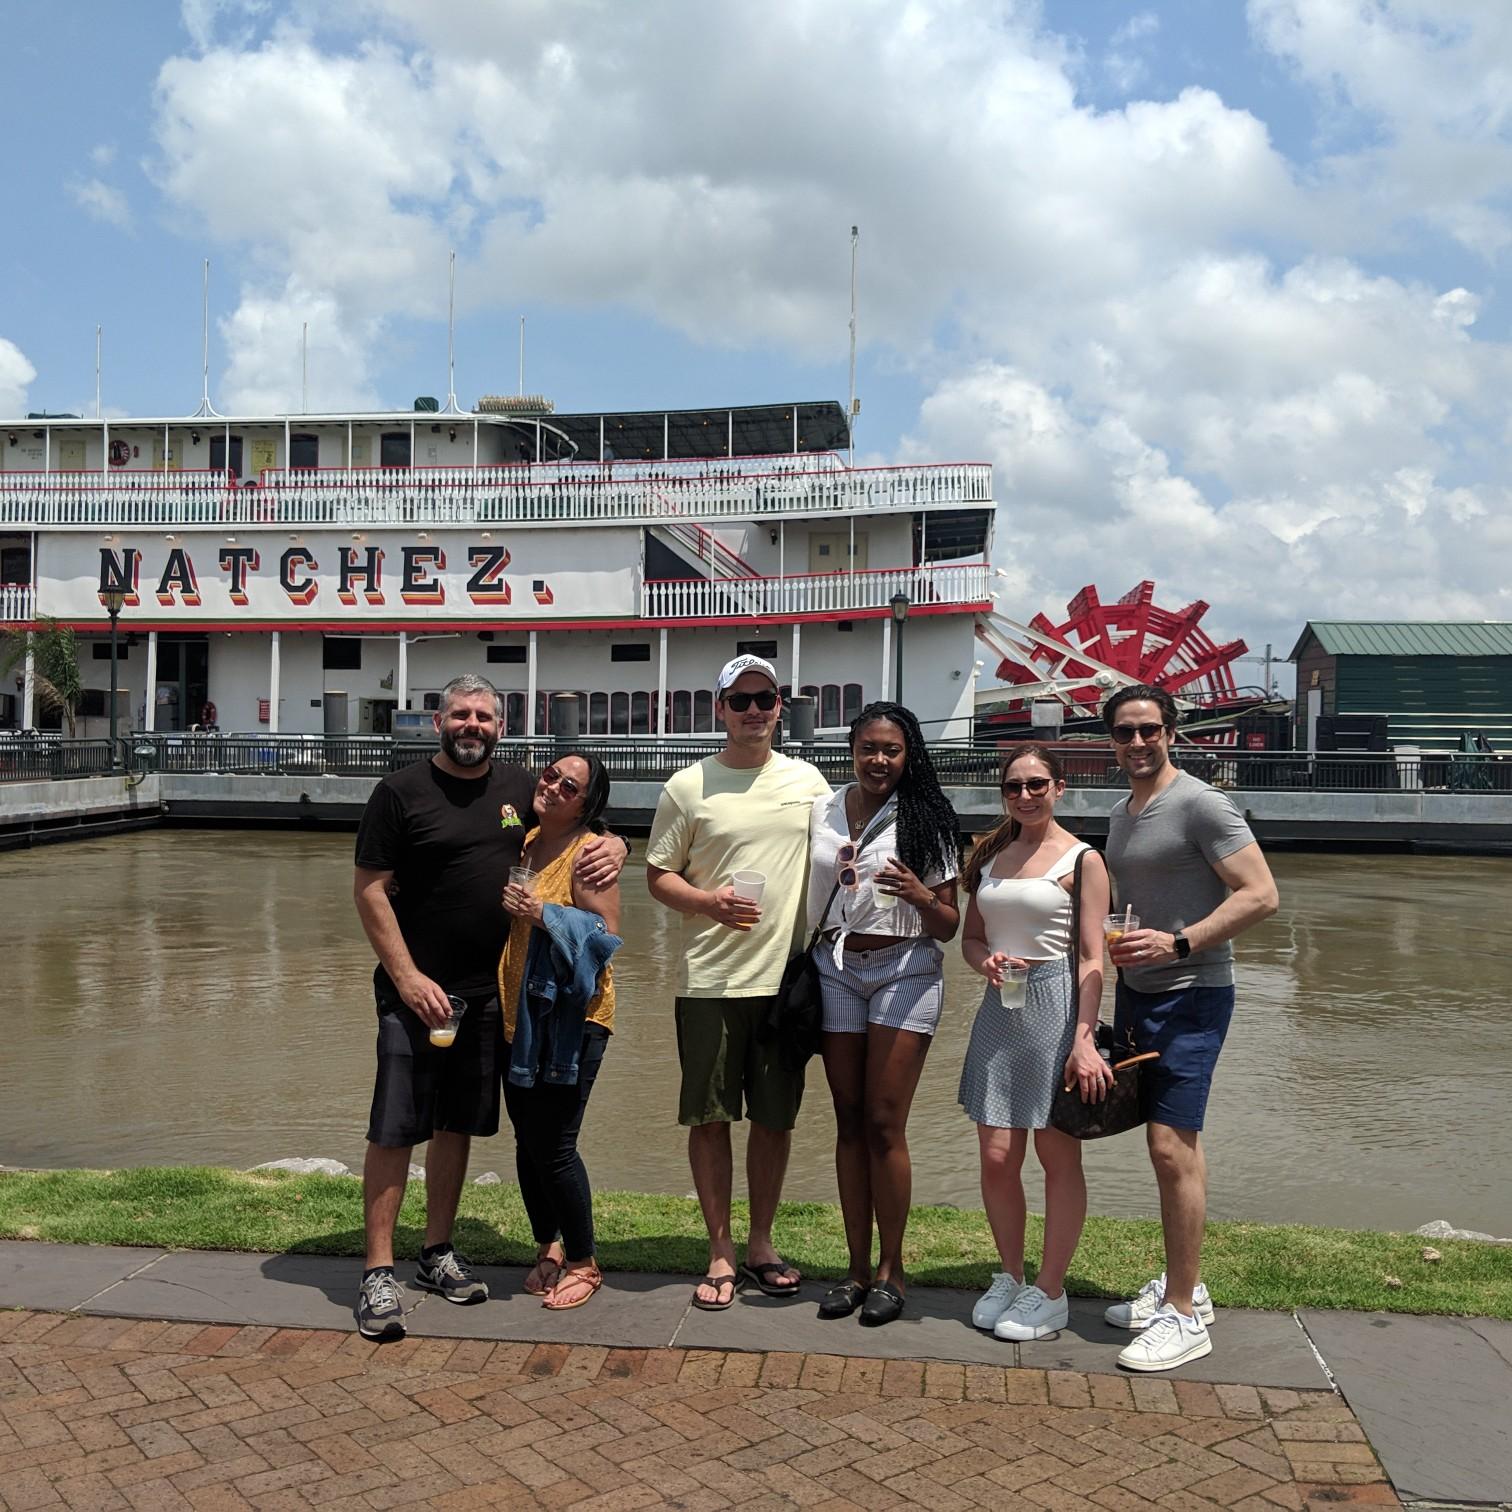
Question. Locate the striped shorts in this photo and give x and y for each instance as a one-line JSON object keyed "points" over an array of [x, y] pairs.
{"points": [[899, 987]]}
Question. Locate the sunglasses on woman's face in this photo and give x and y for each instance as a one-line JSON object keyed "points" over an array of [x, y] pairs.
{"points": [[845, 867], [1037, 787], [1123, 734], [552, 777], [740, 702]]}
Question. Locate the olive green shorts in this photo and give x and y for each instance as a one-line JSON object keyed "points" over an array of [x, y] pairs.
{"points": [[726, 1070]]}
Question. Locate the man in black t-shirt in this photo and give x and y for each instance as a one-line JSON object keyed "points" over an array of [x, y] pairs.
{"points": [[434, 850]]}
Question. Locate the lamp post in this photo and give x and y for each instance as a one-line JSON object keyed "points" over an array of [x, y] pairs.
{"points": [[114, 599], [900, 604]]}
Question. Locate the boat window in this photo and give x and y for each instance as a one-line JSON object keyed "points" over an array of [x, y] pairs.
{"points": [[619, 713], [640, 713], [514, 714], [630, 651], [829, 706], [304, 450], [852, 701], [218, 453], [682, 712], [341, 653], [394, 449], [598, 713], [703, 711]]}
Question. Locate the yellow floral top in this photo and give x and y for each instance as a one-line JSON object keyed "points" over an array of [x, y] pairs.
{"points": [[553, 885]]}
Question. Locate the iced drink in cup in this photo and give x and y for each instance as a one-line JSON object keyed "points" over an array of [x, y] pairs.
{"points": [[522, 877], [1116, 926], [1015, 979], [442, 1035]]}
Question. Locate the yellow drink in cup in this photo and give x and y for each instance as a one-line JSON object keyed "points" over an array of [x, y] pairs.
{"points": [[443, 1035], [1116, 926]]}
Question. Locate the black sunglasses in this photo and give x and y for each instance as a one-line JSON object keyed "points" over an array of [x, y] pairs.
{"points": [[1123, 734], [1036, 786], [551, 777], [740, 702]]}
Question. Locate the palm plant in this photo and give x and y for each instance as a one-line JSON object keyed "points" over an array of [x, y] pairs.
{"points": [[56, 681]]}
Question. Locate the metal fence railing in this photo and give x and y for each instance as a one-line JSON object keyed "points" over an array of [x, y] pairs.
{"points": [[640, 759]]}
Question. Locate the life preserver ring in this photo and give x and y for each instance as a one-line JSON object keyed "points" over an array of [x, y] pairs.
{"points": [[120, 453]]}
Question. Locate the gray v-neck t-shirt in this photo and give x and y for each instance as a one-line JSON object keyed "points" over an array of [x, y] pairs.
{"points": [[1161, 860]]}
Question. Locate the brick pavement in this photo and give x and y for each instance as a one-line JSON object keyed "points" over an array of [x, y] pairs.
{"points": [[118, 1413]]}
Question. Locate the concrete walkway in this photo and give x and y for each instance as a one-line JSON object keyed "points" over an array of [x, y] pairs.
{"points": [[1431, 1394]]}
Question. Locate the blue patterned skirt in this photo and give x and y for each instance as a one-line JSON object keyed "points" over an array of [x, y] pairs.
{"points": [[1017, 1055]]}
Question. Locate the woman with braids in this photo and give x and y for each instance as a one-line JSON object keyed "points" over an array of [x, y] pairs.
{"points": [[1019, 880], [883, 857]]}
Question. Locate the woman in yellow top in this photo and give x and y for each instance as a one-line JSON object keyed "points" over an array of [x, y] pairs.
{"points": [[569, 801]]}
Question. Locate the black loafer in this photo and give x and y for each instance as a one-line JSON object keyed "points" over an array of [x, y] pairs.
{"points": [[841, 1301], [884, 1302]]}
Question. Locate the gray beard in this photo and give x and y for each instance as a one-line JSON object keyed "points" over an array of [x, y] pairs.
{"points": [[479, 750]]}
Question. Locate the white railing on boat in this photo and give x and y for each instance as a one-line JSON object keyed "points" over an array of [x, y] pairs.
{"points": [[623, 494], [16, 601], [965, 584]]}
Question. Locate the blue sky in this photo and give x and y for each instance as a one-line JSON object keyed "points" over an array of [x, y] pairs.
{"points": [[1220, 283]]}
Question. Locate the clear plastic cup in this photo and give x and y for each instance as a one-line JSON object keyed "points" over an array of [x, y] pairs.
{"points": [[1115, 926], [523, 877], [443, 1035], [1015, 979], [881, 898], [749, 885]]}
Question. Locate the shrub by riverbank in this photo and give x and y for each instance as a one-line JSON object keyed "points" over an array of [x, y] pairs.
{"points": [[1245, 1264]]}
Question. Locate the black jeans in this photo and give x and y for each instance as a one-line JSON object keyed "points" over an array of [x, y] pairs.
{"points": [[553, 1180]]}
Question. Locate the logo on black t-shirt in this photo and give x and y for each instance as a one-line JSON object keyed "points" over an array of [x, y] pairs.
{"points": [[508, 819]]}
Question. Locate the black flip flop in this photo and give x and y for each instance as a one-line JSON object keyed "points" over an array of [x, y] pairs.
{"points": [[759, 1277], [718, 1283], [884, 1302], [841, 1301]]}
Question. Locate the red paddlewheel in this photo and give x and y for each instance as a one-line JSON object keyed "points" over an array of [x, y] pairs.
{"points": [[1165, 648]]}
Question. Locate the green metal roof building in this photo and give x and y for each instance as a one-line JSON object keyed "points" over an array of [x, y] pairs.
{"points": [[1432, 681]]}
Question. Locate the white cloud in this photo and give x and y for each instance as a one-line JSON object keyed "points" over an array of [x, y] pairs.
{"points": [[16, 375], [102, 202], [1126, 62], [1085, 290], [103, 155]]}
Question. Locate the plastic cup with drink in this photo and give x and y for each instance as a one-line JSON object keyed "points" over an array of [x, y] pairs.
{"points": [[1015, 980], [523, 877], [442, 1035], [1116, 926], [748, 886]]}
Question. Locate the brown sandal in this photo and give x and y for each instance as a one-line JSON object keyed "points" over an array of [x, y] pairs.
{"points": [[585, 1275], [550, 1273]]}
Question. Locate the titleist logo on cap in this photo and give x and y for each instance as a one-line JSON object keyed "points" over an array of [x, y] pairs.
{"points": [[741, 665]]}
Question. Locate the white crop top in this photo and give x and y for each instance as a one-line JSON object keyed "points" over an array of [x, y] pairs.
{"points": [[1029, 917]]}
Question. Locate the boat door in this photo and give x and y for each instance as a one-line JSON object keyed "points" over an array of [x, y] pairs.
{"points": [[375, 716], [71, 454], [182, 694], [334, 705]]}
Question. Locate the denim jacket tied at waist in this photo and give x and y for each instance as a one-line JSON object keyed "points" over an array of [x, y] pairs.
{"points": [[567, 955]]}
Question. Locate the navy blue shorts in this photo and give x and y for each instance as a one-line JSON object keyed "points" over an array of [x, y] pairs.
{"points": [[1186, 1025]]}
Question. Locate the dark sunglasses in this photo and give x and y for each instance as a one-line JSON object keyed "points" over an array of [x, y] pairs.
{"points": [[845, 867], [1037, 786], [551, 777], [1123, 734], [740, 702]]}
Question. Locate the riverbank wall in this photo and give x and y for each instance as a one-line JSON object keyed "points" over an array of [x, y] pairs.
{"points": [[35, 813]]}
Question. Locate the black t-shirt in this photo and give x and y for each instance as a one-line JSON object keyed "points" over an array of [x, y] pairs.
{"points": [[449, 842]]}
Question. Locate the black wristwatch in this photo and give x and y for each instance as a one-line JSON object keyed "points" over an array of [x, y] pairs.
{"points": [[1182, 944]]}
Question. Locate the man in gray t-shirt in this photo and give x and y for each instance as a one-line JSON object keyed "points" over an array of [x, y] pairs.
{"points": [[1183, 859]]}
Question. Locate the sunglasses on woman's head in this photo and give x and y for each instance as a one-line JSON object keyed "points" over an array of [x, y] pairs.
{"points": [[1037, 786], [740, 702], [1123, 734], [554, 778]]}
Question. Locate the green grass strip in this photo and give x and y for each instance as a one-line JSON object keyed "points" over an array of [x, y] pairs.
{"points": [[1245, 1264]]}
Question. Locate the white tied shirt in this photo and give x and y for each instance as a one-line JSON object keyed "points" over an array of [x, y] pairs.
{"points": [[855, 910]]}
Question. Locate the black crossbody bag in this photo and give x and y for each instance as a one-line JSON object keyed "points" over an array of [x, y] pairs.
{"points": [[1121, 1110], [796, 1017]]}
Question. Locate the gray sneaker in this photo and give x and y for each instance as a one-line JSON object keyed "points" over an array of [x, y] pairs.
{"points": [[447, 1275], [380, 1307]]}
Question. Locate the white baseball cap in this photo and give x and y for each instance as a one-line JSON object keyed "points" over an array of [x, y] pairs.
{"points": [[741, 665]]}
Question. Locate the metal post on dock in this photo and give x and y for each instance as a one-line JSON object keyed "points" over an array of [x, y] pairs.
{"points": [[115, 599]]}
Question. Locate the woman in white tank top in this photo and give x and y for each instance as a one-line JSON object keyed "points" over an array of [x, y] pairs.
{"points": [[1028, 1041]]}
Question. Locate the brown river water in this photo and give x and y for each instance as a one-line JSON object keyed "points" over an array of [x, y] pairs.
{"points": [[201, 997]]}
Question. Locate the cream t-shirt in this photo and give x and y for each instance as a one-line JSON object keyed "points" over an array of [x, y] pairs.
{"points": [[713, 820]]}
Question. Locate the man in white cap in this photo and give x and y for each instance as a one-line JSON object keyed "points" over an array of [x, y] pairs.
{"points": [[745, 809]]}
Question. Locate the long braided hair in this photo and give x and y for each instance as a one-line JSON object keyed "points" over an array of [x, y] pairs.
{"points": [[928, 832], [1007, 830]]}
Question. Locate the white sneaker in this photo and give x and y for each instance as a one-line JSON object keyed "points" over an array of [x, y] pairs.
{"points": [[1033, 1315], [1167, 1340], [995, 1301], [1136, 1313]]}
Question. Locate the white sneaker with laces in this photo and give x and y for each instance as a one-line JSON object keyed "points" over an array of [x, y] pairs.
{"points": [[1167, 1340], [1033, 1315], [995, 1301], [1136, 1313]]}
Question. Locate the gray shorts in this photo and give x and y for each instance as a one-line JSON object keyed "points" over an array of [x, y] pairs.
{"points": [[900, 987]]}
